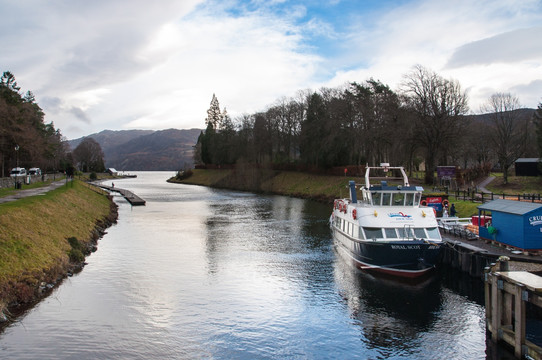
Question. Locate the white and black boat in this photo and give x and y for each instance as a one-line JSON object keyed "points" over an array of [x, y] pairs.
{"points": [[387, 230]]}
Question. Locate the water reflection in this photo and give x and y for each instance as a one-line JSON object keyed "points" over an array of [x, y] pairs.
{"points": [[202, 273], [420, 320]]}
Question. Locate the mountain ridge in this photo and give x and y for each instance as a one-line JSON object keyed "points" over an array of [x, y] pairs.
{"points": [[145, 150]]}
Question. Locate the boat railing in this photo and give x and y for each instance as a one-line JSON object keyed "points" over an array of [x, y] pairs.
{"points": [[453, 222]]}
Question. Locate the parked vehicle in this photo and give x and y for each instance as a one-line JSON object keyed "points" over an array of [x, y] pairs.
{"points": [[34, 171], [17, 172]]}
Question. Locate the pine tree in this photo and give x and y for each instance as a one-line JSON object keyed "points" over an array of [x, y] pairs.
{"points": [[214, 116], [538, 123]]}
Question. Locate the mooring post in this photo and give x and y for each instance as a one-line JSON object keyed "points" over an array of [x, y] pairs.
{"points": [[487, 293], [496, 306], [519, 322]]}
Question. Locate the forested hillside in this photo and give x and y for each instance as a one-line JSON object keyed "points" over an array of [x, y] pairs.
{"points": [[25, 140]]}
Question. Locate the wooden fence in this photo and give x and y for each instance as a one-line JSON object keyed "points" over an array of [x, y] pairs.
{"points": [[485, 197]]}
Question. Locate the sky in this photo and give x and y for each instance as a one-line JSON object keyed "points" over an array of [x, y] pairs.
{"points": [[137, 64]]}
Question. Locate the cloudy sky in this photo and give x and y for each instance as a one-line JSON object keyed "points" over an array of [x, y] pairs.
{"points": [[137, 64]]}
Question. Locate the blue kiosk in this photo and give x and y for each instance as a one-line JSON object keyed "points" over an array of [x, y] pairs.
{"points": [[514, 223]]}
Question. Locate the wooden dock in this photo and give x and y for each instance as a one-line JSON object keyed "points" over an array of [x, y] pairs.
{"points": [[128, 195], [506, 296]]}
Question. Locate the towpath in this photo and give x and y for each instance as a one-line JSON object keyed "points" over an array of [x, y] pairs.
{"points": [[19, 194]]}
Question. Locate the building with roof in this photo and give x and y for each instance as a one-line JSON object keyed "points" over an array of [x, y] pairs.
{"points": [[112, 171], [514, 223], [528, 167]]}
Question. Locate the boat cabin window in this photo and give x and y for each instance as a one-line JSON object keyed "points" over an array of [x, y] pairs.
{"points": [[376, 198], [417, 199], [390, 233], [398, 199], [386, 199], [373, 233], [404, 232], [409, 199], [433, 233], [419, 233]]}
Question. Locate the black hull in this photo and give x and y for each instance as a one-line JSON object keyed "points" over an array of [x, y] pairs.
{"points": [[412, 258]]}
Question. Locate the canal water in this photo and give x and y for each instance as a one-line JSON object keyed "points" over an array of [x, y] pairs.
{"points": [[217, 274]]}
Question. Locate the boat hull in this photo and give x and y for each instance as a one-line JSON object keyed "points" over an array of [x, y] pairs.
{"points": [[405, 258]]}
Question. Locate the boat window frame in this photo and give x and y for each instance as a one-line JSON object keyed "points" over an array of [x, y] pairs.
{"points": [[398, 194], [409, 199], [432, 231], [376, 197], [372, 230], [417, 198], [394, 230], [415, 231], [386, 197]]}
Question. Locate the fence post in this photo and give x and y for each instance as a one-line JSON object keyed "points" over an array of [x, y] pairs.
{"points": [[491, 196]]}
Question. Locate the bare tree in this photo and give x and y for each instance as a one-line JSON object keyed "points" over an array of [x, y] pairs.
{"points": [[437, 105], [89, 155], [508, 129]]}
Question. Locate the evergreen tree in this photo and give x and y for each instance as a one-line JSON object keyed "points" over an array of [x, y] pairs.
{"points": [[214, 116], [538, 123]]}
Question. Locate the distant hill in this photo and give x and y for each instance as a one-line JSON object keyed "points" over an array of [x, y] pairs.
{"points": [[146, 150]]}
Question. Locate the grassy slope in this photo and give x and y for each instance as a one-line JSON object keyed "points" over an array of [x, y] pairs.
{"points": [[287, 183], [327, 188], [34, 232]]}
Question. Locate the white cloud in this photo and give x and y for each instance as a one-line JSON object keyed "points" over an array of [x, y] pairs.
{"points": [[118, 65], [437, 34]]}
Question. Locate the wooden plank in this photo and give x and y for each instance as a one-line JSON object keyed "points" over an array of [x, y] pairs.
{"points": [[495, 308], [531, 281], [519, 323], [128, 195]]}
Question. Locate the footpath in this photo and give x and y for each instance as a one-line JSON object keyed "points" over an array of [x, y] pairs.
{"points": [[32, 192]]}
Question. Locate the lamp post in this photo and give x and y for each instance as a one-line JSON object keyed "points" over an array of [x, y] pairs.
{"points": [[17, 154], [17, 166]]}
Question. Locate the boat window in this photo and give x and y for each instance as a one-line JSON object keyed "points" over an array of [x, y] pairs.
{"points": [[409, 199], [404, 232], [376, 198], [373, 233], [433, 233], [398, 199], [386, 199], [417, 199], [360, 233], [419, 233], [390, 233]]}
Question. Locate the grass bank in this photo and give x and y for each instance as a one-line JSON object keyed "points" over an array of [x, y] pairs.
{"points": [[44, 237], [310, 186], [303, 185]]}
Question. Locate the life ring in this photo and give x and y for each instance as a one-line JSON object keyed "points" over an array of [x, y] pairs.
{"points": [[445, 203], [354, 214], [423, 203]]}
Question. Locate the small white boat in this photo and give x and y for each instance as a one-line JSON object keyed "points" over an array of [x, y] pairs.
{"points": [[387, 230]]}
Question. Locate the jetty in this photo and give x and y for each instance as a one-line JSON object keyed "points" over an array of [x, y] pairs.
{"points": [[127, 194], [508, 295]]}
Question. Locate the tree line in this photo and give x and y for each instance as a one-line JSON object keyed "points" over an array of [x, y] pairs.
{"points": [[27, 141], [425, 121]]}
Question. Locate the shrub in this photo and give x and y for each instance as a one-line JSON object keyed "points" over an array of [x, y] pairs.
{"points": [[93, 176]]}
